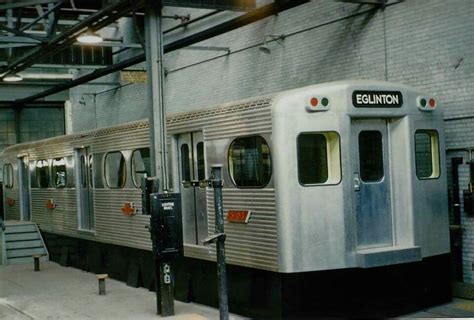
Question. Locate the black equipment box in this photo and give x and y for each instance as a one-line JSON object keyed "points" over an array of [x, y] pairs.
{"points": [[468, 199], [166, 226]]}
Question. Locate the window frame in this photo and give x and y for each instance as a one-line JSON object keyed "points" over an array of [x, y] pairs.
{"points": [[105, 171], [137, 184], [434, 160], [229, 171], [10, 185], [326, 183]]}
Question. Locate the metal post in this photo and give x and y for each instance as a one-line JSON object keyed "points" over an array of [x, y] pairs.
{"points": [[36, 260], [155, 74], [220, 247]]}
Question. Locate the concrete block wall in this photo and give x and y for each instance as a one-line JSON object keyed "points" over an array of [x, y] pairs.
{"points": [[426, 44], [34, 124]]}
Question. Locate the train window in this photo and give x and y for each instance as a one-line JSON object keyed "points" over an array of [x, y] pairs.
{"points": [[371, 156], [250, 162], [201, 169], [115, 170], [319, 160], [140, 163], [42, 173], [8, 176], [185, 167], [59, 173], [427, 154]]}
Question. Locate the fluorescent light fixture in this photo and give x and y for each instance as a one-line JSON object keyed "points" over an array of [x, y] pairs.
{"points": [[12, 77], [90, 37]]}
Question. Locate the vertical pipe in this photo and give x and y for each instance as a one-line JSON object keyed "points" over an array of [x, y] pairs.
{"points": [[456, 236], [221, 267], [155, 94]]}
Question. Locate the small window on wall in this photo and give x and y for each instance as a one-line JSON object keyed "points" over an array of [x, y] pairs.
{"points": [[8, 176], [115, 170], [42, 173], [59, 173], [319, 160], [250, 162], [140, 165], [427, 154]]}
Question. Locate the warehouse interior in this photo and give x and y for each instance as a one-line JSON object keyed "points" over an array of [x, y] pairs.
{"points": [[146, 60]]}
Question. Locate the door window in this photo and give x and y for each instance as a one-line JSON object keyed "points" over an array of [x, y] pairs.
{"points": [[185, 163], [201, 168], [371, 156]]}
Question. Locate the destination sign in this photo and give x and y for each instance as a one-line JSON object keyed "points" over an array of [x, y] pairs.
{"points": [[377, 99]]}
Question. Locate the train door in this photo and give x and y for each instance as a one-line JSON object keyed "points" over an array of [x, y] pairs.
{"points": [[371, 180], [192, 167], [24, 188], [84, 188]]}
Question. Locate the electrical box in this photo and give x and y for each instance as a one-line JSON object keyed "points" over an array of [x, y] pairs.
{"points": [[166, 226], [468, 200]]}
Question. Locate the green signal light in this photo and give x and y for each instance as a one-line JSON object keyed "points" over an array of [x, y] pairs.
{"points": [[325, 102]]}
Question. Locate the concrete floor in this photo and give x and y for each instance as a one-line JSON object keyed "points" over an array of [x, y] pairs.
{"points": [[458, 308], [67, 293]]}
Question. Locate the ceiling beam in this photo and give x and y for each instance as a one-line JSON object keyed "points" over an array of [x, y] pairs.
{"points": [[94, 21], [22, 34], [245, 19], [42, 16], [16, 45]]}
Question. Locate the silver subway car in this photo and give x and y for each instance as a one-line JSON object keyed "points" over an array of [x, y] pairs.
{"points": [[332, 176]]}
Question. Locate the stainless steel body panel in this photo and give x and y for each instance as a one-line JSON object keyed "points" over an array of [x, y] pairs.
{"points": [[293, 228]]}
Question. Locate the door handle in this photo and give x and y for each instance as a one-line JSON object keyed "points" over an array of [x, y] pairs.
{"points": [[356, 182]]}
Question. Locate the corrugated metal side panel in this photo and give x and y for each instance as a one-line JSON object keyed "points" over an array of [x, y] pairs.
{"points": [[59, 149], [114, 227], [12, 212], [247, 117], [63, 218], [253, 244], [136, 138]]}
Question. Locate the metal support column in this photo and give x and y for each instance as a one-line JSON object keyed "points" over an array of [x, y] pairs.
{"points": [[220, 245], [155, 74]]}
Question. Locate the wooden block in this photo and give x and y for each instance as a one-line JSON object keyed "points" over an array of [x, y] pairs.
{"points": [[102, 276]]}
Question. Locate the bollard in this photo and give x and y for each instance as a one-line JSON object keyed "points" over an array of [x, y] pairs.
{"points": [[220, 247], [101, 278], [36, 259]]}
